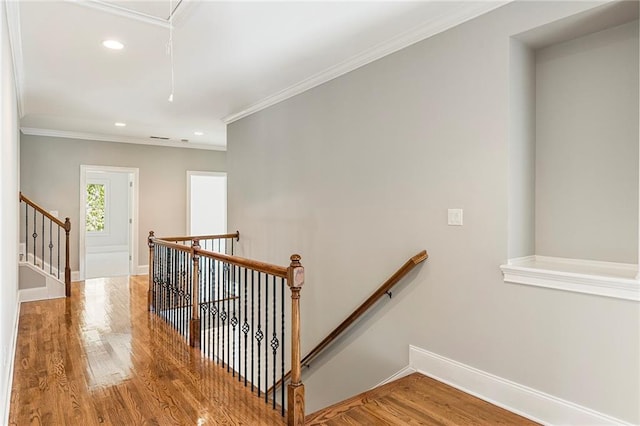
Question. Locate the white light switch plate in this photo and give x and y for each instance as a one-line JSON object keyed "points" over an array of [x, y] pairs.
{"points": [[54, 213], [455, 217]]}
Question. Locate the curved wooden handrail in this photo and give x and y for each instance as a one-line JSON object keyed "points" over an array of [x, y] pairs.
{"points": [[279, 271], [364, 307], [235, 235], [41, 210]]}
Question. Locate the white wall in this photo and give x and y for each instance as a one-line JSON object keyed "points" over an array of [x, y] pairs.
{"points": [[357, 174], [9, 184]]}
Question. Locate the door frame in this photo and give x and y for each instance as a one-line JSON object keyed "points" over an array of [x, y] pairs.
{"points": [[199, 173], [134, 174]]}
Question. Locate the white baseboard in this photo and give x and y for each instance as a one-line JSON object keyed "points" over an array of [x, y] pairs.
{"points": [[75, 276], [400, 374], [12, 351], [142, 270], [530, 403]]}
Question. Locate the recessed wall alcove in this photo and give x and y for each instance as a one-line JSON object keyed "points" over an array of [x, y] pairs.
{"points": [[573, 154]]}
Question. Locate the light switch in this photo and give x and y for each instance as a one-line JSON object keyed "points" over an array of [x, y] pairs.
{"points": [[455, 217], [54, 213]]}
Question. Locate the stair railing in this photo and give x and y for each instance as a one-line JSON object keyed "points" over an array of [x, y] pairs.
{"points": [[233, 309], [384, 289], [42, 233]]}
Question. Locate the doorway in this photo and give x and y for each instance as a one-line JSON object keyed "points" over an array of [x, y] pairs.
{"points": [[108, 221], [206, 203]]}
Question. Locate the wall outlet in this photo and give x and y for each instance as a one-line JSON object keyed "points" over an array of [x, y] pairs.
{"points": [[455, 217]]}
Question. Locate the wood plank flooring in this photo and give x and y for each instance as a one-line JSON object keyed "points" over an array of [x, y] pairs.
{"points": [[415, 400], [101, 358]]}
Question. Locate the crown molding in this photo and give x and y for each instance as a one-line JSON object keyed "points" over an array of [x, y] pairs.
{"points": [[119, 139], [466, 12], [122, 11], [15, 41]]}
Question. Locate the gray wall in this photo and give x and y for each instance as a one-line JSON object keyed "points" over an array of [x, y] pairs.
{"points": [[50, 175], [587, 147], [522, 150], [9, 184], [357, 174]]}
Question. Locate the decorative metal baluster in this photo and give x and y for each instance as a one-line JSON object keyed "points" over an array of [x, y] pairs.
{"points": [[259, 334], [220, 306], [26, 233], [42, 249], [234, 322], [274, 342], [58, 252], [227, 270], [266, 332], [252, 327], [35, 235], [50, 247], [231, 246], [282, 350], [245, 326]]}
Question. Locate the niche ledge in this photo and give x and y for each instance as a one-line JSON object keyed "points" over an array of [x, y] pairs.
{"points": [[609, 279]]}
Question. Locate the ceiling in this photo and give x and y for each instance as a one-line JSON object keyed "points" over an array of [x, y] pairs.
{"points": [[231, 58]]}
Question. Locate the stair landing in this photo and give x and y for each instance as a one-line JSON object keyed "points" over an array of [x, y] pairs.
{"points": [[415, 399]]}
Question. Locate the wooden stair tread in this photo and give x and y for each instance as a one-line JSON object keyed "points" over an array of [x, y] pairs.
{"points": [[412, 400]]}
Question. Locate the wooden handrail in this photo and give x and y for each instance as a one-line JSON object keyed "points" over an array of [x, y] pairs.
{"points": [[364, 307], [41, 210], [235, 235], [279, 271]]}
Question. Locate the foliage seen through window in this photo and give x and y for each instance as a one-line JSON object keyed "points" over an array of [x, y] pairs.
{"points": [[95, 207]]}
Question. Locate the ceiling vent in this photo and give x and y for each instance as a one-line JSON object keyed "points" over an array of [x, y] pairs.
{"points": [[159, 137]]}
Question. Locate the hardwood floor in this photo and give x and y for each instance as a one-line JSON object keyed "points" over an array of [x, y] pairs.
{"points": [[415, 400], [101, 358]]}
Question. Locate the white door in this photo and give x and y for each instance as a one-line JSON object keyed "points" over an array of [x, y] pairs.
{"points": [[207, 203], [107, 222]]}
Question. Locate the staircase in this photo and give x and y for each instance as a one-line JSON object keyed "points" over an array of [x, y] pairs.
{"points": [[44, 252]]}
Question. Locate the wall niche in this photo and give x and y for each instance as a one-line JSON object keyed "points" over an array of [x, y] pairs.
{"points": [[574, 154]]}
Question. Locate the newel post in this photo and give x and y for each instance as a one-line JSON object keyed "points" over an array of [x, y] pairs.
{"points": [[152, 269], [295, 391], [67, 266], [194, 323]]}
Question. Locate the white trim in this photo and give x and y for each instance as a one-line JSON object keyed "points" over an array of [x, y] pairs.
{"points": [[142, 270], [75, 276], [53, 288], [134, 172], [119, 139], [54, 271], [122, 11], [609, 279], [525, 401], [400, 374], [12, 351], [466, 12], [15, 41]]}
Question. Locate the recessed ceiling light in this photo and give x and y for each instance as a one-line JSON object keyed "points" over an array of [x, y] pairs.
{"points": [[119, 124], [112, 44], [198, 133]]}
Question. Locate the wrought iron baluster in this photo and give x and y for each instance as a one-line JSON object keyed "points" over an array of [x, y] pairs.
{"points": [[26, 233], [58, 252], [220, 306], [50, 247], [245, 326], [234, 320], [252, 328], [266, 332], [274, 341], [227, 271], [259, 334], [35, 235], [42, 243], [282, 350]]}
